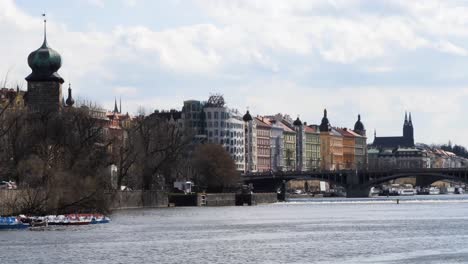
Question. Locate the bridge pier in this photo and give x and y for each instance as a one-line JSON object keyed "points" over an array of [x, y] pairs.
{"points": [[357, 191]]}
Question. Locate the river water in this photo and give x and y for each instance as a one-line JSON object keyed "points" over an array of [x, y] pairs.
{"points": [[417, 230]]}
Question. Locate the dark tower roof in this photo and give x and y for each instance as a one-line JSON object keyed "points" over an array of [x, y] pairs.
{"points": [[247, 117], [116, 109], [297, 122], [325, 125], [69, 100], [409, 121], [44, 62], [359, 126]]}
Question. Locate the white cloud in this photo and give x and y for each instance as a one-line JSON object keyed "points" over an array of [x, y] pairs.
{"points": [[130, 3], [126, 91], [96, 3], [448, 47]]}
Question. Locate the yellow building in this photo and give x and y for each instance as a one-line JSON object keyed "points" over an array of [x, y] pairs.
{"points": [[331, 146]]}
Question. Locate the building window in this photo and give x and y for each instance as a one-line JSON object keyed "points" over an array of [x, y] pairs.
{"points": [[208, 115], [215, 115]]}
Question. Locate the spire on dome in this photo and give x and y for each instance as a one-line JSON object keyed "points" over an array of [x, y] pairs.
{"points": [[297, 122], [325, 125], [45, 62], [247, 117], [359, 126], [69, 100], [44, 44]]}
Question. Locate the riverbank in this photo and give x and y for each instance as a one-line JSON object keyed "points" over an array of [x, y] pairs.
{"points": [[221, 199], [10, 200], [118, 200]]}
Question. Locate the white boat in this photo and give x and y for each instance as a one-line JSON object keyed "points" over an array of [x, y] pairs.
{"points": [[434, 191], [447, 190], [406, 192], [374, 192], [459, 190]]}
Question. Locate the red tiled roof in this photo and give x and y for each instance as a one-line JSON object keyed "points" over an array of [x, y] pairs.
{"points": [[262, 122], [346, 132], [308, 129]]}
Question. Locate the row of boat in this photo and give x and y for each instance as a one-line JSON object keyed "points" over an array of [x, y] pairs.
{"points": [[22, 221], [407, 189]]}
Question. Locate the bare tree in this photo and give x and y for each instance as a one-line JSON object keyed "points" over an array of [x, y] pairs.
{"points": [[215, 168]]}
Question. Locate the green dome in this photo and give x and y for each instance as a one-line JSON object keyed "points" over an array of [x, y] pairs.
{"points": [[44, 62]]}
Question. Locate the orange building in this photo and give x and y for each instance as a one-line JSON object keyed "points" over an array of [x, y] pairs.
{"points": [[331, 146], [349, 139]]}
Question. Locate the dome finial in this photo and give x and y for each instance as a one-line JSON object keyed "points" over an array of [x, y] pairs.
{"points": [[359, 117], [45, 30]]}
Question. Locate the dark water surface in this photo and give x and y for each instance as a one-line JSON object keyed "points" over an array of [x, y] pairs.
{"points": [[418, 230]]}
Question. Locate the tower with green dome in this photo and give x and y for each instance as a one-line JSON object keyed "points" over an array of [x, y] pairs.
{"points": [[44, 83]]}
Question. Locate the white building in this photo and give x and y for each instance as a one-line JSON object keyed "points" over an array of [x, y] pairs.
{"points": [[225, 126]]}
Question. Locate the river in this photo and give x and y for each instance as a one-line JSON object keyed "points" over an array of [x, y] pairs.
{"points": [[420, 229]]}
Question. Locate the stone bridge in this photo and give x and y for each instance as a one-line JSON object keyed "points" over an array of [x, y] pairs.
{"points": [[356, 182]]}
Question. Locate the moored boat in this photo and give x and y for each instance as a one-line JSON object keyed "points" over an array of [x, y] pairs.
{"points": [[11, 223], [434, 191], [77, 219]]}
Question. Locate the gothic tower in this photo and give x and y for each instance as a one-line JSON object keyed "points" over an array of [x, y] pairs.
{"points": [[44, 83], [408, 132]]}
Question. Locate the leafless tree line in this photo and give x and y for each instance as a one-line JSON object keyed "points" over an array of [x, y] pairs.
{"points": [[61, 160]]}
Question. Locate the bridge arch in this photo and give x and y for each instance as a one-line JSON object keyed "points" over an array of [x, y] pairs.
{"points": [[271, 183], [428, 176]]}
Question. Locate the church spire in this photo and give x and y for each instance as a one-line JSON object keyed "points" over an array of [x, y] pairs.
{"points": [[120, 105], [116, 109], [410, 122]]}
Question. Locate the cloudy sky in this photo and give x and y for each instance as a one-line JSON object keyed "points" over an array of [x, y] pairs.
{"points": [[376, 58]]}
